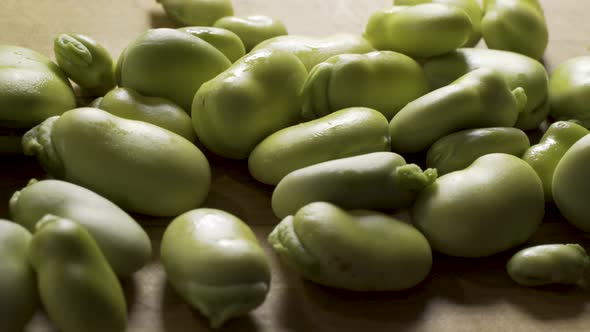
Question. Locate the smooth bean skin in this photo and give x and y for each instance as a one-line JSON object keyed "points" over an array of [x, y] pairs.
{"points": [[385, 81], [252, 29], [459, 150], [423, 30], [355, 250], [139, 166], [78, 288], [545, 155], [125, 245], [311, 50], [491, 206], [379, 180], [197, 12], [479, 99], [517, 69], [515, 25], [256, 97], [170, 64], [215, 263], [32, 88], [549, 264], [571, 184], [18, 283], [569, 91], [222, 39], [471, 8], [129, 104], [86, 62], [345, 133]]}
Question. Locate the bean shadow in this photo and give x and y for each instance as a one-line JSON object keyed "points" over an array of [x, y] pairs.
{"points": [[159, 19], [130, 287], [484, 281], [17, 171], [233, 189]]}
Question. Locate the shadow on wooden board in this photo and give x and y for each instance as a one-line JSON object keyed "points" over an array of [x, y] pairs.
{"points": [[159, 19]]}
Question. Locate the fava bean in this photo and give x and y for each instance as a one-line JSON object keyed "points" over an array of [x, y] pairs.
{"points": [[256, 97], [86, 62], [311, 50], [78, 288], [32, 88], [518, 71], [18, 283], [170, 64], [379, 180], [197, 12], [215, 263], [491, 206], [545, 155], [569, 91], [385, 81], [128, 104], [471, 8], [458, 150], [252, 29], [222, 39], [138, 166], [419, 31], [355, 250], [549, 264], [480, 98], [121, 239], [515, 25], [571, 184], [345, 133]]}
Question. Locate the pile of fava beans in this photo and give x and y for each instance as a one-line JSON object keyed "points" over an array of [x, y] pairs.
{"points": [[327, 121]]}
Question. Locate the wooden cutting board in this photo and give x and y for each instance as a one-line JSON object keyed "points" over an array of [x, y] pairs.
{"points": [[459, 295]]}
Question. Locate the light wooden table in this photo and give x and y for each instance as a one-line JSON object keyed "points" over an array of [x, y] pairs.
{"points": [[459, 295]]}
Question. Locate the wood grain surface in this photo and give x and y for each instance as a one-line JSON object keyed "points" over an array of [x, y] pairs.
{"points": [[459, 295]]}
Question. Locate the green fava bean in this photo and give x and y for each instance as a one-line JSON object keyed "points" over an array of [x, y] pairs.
{"points": [[480, 98], [78, 288], [517, 69], [215, 263], [170, 64], [128, 104], [32, 88], [571, 184], [18, 283], [569, 91], [312, 51], [515, 25], [459, 150], [549, 264], [253, 29], [493, 205], [545, 155], [86, 62], [197, 12], [419, 31], [385, 81], [222, 39], [257, 96], [121, 239], [471, 8], [140, 167], [356, 250], [345, 133], [379, 180]]}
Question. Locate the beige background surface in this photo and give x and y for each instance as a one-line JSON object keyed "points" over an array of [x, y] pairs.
{"points": [[460, 295]]}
